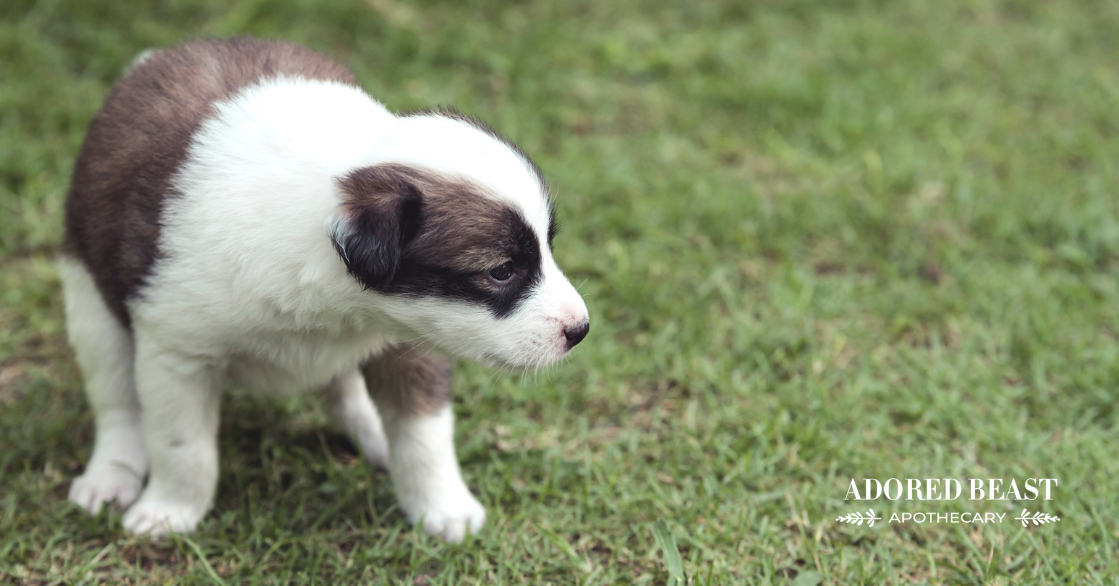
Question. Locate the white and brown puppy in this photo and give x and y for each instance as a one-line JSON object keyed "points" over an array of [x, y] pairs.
{"points": [[243, 208]]}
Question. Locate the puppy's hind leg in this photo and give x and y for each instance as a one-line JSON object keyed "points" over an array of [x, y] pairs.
{"points": [[412, 393], [348, 403], [104, 351], [181, 396]]}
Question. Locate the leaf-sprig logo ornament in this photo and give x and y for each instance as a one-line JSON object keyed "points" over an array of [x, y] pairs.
{"points": [[1038, 518], [858, 518]]}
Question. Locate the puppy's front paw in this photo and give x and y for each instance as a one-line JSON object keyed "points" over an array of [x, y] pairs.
{"points": [[105, 484], [449, 516], [155, 517]]}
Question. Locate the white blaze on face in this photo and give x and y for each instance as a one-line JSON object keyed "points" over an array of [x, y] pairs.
{"points": [[539, 328], [549, 317], [537, 332]]}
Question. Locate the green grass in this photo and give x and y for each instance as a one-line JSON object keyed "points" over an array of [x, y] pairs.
{"points": [[819, 240]]}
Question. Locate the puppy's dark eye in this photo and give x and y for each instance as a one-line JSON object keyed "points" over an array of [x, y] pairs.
{"points": [[503, 272]]}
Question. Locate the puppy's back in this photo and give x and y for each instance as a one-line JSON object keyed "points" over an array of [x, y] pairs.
{"points": [[139, 139]]}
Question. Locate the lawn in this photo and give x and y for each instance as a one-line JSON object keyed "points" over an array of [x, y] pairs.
{"points": [[819, 241]]}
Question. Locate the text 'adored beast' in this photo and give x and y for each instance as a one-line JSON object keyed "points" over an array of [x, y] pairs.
{"points": [[949, 489]]}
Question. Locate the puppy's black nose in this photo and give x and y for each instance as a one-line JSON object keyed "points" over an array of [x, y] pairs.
{"points": [[575, 334]]}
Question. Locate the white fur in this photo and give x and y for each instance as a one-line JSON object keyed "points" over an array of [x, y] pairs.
{"points": [[531, 337], [348, 402], [104, 351], [426, 475], [249, 285], [181, 397], [466, 151]]}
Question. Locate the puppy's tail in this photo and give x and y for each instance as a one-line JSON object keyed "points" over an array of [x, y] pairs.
{"points": [[143, 56]]}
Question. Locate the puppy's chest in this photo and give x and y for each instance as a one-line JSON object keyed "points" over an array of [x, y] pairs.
{"points": [[297, 362]]}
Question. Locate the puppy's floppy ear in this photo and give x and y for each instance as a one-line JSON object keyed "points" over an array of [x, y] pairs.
{"points": [[381, 208]]}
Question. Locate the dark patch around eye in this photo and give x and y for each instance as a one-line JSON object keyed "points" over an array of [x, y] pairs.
{"points": [[451, 235], [436, 266], [454, 114]]}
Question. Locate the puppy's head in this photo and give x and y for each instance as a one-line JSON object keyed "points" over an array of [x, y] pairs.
{"points": [[454, 235]]}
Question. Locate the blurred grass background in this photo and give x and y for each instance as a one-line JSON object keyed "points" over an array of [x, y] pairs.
{"points": [[819, 241]]}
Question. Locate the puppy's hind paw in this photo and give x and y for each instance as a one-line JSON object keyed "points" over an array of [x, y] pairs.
{"points": [[373, 446], [98, 486]]}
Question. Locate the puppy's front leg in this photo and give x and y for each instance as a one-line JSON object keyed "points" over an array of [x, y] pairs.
{"points": [[348, 403], [412, 393], [180, 397]]}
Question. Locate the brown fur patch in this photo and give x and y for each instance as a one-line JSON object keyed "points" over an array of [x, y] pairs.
{"points": [[404, 382], [419, 233], [459, 227], [139, 139]]}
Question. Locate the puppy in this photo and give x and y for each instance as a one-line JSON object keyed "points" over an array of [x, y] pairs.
{"points": [[243, 208]]}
